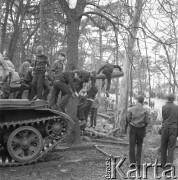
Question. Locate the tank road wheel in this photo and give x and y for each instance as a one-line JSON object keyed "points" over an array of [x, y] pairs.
{"points": [[24, 144], [56, 128]]}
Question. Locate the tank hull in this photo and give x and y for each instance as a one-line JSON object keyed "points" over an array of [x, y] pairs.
{"points": [[29, 130]]}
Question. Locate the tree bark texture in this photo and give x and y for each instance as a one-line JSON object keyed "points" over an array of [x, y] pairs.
{"points": [[72, 44], [73, 24], [120, 124]]}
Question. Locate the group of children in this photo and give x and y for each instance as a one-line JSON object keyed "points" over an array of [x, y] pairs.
{"points": [[39, 76]]}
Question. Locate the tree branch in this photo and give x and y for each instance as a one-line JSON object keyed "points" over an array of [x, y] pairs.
{"points": [[108, 19], [33, 32], [95, 23], [64, 6]]}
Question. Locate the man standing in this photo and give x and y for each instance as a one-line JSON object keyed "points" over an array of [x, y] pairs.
{"points": [[139, 119], [169, 130]]}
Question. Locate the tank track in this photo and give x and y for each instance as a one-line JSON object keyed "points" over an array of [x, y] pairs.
{"points": [[49, 146]]}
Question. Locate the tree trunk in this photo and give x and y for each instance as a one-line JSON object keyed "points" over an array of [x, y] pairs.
{"points": [[117, 59], [127, 66], [72, 61], [3, 33], [149, 75], [72, 44], [131, 85], [41, 22], [73, 19], [18, 25], [22, 47], [100, 58]]}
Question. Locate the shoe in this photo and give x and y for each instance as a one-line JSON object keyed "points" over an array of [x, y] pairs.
{"points": [[59, 109], [38, 99], [63, 110], [81, 133], [103, 83], [34, 99], [107, 94], [82, 123]]}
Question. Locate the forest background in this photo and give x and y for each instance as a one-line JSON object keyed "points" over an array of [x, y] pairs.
{"points": [[139, 35]]}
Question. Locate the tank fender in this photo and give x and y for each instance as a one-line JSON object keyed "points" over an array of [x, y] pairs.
{"points": [[59, 113]]}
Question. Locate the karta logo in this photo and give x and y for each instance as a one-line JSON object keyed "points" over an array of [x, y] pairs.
{"points": [[114, 171]]}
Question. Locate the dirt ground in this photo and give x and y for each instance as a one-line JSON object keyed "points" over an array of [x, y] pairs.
{"points": [[87, 164], [84, 164]]}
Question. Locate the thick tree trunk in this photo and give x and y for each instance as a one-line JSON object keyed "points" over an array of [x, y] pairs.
{"points": [[127, 66], [72, 44], [73, 19], [72, 61]]}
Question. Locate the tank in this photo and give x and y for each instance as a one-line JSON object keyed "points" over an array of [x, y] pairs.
{"points": [[29, 130]]}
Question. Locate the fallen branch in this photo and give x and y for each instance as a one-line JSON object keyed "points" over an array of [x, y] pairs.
{"points": [[105, 116], [110, 142], [103, 152], [113, 132], [100, 134], [74, 148]]}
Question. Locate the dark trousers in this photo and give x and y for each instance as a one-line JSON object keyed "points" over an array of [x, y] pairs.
{"points": [[66, 94], [46, 91], [93, 116], [5, 90], [136, 136], [126, 126], [79, 86], [168, 144], [24, 87], [84, 109], [108, 76], [37, 84]]}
